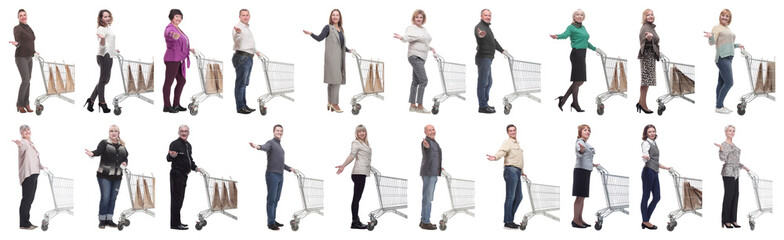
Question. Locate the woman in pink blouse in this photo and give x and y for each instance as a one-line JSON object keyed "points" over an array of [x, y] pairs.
{"points": [[29, 168]]}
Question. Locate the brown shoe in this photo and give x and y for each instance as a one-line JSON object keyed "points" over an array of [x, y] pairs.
{"points": [[427, 226], [27, 107], [20, 109]]}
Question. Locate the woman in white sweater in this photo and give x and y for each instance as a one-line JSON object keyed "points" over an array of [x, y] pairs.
{"points": [[418, 45]]}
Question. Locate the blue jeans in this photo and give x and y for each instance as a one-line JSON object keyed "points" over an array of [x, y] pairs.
{"points": [[274, 186], [484, 81], [725, 80], [109, 190], [428, 188], [514, 192], [650, 184], [242, 66]]}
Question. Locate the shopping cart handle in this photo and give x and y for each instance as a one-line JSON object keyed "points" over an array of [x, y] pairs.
{"points": [[509, 56], [753, 175], [204, 173], [263, 57], [198, 54], [745, 54], [673, 172], [38, 57], [445, 174], [356, 55], [600, 52], [299, 174]]}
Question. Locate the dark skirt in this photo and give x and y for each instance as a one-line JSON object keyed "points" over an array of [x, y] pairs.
{"points": [[581, 182], [577, 57]]}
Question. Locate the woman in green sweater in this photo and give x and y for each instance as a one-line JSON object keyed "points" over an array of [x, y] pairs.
{"points": [[579, 36], [724, 39]]}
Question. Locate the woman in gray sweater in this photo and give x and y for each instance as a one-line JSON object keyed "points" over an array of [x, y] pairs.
{"points": [[334, 58]]}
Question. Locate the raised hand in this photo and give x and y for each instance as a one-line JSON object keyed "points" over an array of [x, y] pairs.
{"points": [[480, 33], [553, 36], [101, 36], [490, 157], [18, 143], [582, 148], [307, 32], [173, 153], [175, 35], [254, 146], [398, 36], [88, 152], [340, 168], [13, 43], [719, 145], [424, 143], [708, 35], [237, 30], [648, 35]]}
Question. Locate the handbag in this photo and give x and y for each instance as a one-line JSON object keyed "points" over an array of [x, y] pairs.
{"points": [[369, 80], [233, 194], [216, 199], [59, 80], [378, 85], [50, 89], [140, 87], [148, 199], [770, 79], [758, 85], [138, 203], [131, 85], [69, 80]]}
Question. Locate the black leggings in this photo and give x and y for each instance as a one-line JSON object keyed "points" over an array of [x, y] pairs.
{"points": [[105, 62], [359, 187]]}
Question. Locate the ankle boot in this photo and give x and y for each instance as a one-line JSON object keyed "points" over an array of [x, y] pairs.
{"points": [[104, 107], [89, 105]]}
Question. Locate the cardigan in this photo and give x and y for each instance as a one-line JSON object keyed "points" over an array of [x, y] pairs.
{"points": [[29, 160], [178, 49], [334, 54], [724, 40], [112, 156], [578, 36]]}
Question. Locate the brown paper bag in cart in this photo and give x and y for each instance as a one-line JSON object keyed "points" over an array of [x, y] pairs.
{"points": [[140, 87], [687, 204], [210, 87], [218, 77], [369, 80], [697, 198], [50, 89], [686, 83], [378, 85], [675, 86], [148, 201], [759, 84], [233, 194], [150, 79], [216, 199], [621, 78], [138, 203], [614, 82], [69, 81], [770, 79], [131, 85], [225, 197], [59, 80]]}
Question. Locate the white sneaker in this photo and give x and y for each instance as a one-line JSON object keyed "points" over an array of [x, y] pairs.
{"points": [[723, 111], [412, 109], [423, 110], [727, 109]]}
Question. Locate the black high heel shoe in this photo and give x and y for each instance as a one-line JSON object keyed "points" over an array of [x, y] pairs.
{"points": [[104, 107], [577, 108], [560, 102], [735, 225], [89, 105], [727, 225], [640, 109]]}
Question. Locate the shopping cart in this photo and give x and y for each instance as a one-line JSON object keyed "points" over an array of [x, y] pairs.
{"points": [[221, 196], [670, 67], [62, 193], [452, 81], [211, 74], [526, 80], [392, 195], [59, 78], [616, 192], [544, 199], [138, 77], [764, 69], [280, 80], [611, 66], [763, 190], [688, 202], [312, 192], [141, 190], [461, 194], [364, 66]]}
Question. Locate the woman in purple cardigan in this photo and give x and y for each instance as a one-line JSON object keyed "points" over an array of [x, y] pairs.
{"points": [[177, 51]]}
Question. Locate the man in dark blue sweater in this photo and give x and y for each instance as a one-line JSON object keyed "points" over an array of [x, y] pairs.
{"points": [[486, 45]]}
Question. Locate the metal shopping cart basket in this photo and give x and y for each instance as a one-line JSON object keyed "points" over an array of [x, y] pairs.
{"points": [[392, 195], [544, 199], [615, 75], [689, 193], [763, 190], [141, 190], [211, 74], [616, 192], [452, 81], [59, 78], [221, 196], [461, 194], [62, 194], [365, 67], [764, 69], [312, 192], [526, 78], [675, 71], [138, 77], [280, 80]]}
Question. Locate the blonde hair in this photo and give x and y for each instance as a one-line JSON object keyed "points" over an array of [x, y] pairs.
{"points": [[115, 127], [579, 10], [728, 127], [727, 12], [580, 129], [644, 13], [361, 128], [417, 12]]}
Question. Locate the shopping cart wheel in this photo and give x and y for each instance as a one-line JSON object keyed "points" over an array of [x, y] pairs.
{"points": [[598, 226], [263, 110], [741, 109], [523, 225], [126, 222], [751, 225], [671, 226], [355, 109], [442, 225], [372, 224], [44, 225], [117, 111], [120, 226], [200, 225], [661, 109], [194, 109], [294, 225], [507, 108], [434, 111], [600, 108], [38, 110]]}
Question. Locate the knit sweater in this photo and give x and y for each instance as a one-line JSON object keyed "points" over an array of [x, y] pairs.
{"points": [[486, 46], [112, 156], [418, 41], [578, 36], [724, 40], [276, 156]]}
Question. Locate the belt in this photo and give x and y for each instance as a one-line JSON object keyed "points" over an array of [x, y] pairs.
{"points": [[243, 53]]}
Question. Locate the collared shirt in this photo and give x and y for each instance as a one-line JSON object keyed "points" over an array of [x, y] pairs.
{"points": [[646, 146], [511, 152], [243, 41]]}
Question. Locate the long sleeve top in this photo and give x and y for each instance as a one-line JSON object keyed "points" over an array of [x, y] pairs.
{"points": [[361, 153], [325, 33], [276, 156], [730, 155], [486, 46], [644, 42], [108, 46], [651, 150], [29, 160], [418, 41], [25, 38], [511, 152], [431, 158], [178, 49], [584, 160], [578, 36], [112, 156], [183, 162], [243, 41], [724, 40]]}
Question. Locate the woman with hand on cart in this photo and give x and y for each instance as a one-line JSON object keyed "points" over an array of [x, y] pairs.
{"points": [[24, 41], [650, 175], [177, 53], [361, 151], [334, 58], [106, 53], [418, 45], [29, 169], [724, 39], [581, 177], [648, 55], [113, 155], [729, 153], [276, 163], [579, 37]]}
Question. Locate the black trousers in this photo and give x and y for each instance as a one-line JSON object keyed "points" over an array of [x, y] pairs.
{"points": [[729, 209], [105, 63], [29, 185], [359, 187], [178, 181]]}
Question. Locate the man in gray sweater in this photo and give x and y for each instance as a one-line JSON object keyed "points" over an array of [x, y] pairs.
{"points": [[274, 175], [429, 170]]}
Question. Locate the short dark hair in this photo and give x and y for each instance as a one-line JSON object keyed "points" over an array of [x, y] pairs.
{"points": [[277, 126], [244, 10], [510, 126], [21, 10], [645, 132], [173, 13]]}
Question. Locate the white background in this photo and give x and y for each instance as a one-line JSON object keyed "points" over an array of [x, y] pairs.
{"points": [[316, 140]]}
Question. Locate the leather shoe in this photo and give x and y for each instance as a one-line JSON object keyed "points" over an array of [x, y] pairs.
{"points": [[169, 110], [486, 110], [575, 225], [180, 227], [358, 225], [427, 226], [250, 109], [244, 111], [511, 225], [180, 108], [273, 227], [492, 107], [278, 224]]}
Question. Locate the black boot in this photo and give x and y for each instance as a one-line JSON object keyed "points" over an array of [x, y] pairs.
{"points": [[356, 224], [89, 105], [104, 107]]}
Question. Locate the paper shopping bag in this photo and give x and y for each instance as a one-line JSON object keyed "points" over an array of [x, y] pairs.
{"points": [[614, 81], [686, 83], [770, 79], [148, 199], [138, 203], [50, 89], [69, 80], [225, 197], [140, 84], [675, 88], [59, 80], [369, 80], [759, 84], [378, 85], [216, 200], [211, 86], [233, 194], [621, 78], [216, 68], [130, 85], [150, 79]]}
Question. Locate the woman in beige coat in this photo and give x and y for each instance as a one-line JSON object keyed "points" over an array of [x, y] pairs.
{"points": [[334, 58], [361, 151]]}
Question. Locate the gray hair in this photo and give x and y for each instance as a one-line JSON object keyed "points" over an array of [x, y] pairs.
{"points": [[728, 127], [23, 127], [580, 10], [184, 126]]}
